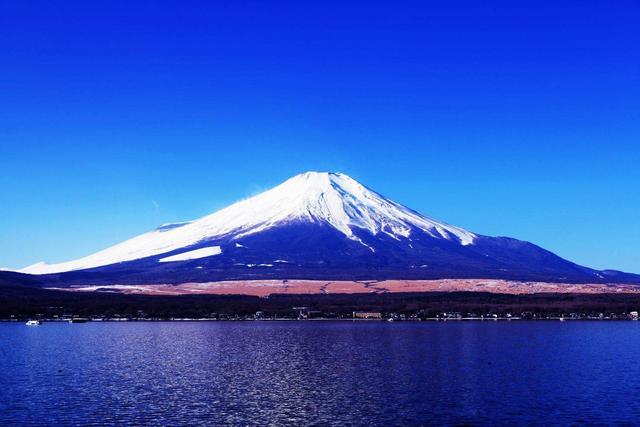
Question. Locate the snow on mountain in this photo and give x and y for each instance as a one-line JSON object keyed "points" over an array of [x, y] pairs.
{"points": [[313, 197], [195, 254]]}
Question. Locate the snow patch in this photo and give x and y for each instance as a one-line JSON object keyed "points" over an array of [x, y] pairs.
{"points": [[195, 254]]}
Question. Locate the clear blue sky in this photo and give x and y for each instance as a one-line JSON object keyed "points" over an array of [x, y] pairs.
{"points": [[506, 118]]}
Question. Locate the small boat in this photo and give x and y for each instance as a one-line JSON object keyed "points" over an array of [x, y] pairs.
{"points": [[78, 320], [33, 323]]}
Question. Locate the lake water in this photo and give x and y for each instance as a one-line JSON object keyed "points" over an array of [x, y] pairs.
{"points": [[320, 373]]}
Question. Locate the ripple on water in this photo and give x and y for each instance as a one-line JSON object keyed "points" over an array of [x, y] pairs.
{"points": [[319, 373]]}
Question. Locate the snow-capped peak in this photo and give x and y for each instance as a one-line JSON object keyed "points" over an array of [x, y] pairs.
{"points": [[342, 202], [323, 197]]}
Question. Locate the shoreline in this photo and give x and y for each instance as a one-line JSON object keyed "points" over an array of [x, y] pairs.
{"points": [[384, 320]]}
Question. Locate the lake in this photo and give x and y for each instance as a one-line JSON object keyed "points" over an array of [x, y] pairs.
{"points": [[320, 373]]}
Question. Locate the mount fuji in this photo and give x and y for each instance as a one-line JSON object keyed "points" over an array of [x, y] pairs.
{"points": [[317, 226]]}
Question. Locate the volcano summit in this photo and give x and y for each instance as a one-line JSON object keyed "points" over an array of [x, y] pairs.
{"points": [[318, 226]]}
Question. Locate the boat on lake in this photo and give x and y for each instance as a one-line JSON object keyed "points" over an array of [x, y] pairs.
{"points": [[33, 323]]}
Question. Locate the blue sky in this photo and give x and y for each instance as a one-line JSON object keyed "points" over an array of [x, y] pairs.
{"points": [[506, 118]]}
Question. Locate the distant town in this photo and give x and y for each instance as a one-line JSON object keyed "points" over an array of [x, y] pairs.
{"points": [[311, 314]]}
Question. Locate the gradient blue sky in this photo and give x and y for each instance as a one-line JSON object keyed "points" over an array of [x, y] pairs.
{"points": [[506, 118]]}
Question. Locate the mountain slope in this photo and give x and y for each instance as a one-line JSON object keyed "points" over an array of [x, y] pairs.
{"points": [[320, 226], [334, 199]]}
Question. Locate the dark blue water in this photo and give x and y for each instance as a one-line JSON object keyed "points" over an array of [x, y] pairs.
{"points": [[320, 373]]}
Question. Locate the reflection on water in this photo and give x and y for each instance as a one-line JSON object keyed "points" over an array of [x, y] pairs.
{"points": [[320, 373]]}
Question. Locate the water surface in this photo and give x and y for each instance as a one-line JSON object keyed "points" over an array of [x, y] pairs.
{"points": [[320, 373]]}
